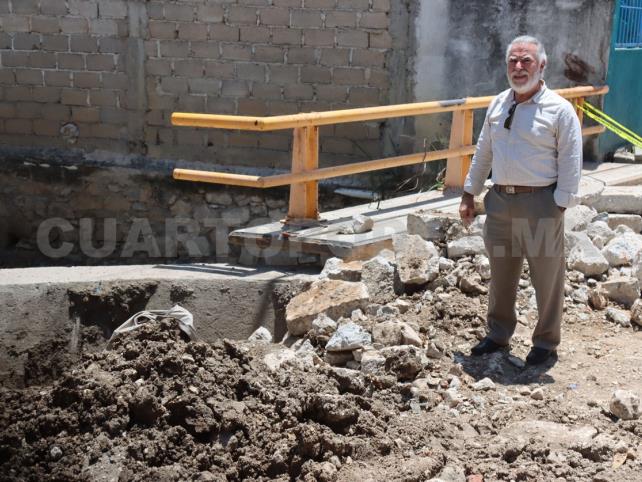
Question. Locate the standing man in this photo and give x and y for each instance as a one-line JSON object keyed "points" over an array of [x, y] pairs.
{"points": [[532, 141]]}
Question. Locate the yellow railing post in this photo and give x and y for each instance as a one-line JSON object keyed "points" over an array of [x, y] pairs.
{"points": [[461, 134], [304, 196]]}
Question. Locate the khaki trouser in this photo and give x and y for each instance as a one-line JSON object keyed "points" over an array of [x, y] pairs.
{"points": [[531, 226]]}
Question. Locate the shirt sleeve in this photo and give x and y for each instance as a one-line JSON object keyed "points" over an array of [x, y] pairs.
{"points": [[482, 159], [569, 157]]}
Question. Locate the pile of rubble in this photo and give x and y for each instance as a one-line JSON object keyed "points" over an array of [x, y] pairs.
{"points": [[356, 314]]}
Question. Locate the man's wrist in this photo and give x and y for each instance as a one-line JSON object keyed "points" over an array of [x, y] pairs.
{"points": [[467, 195]]}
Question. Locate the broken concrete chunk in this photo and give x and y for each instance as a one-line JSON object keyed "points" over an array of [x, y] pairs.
{"points": [[625, 405], [620, 199], [348, 337], [578, 217], [379, 277], [261, 334], [360, 224], [624, 290], [414, 256], [585, 257], [633, 221], [430, 226], [336, 268], [335, 298], [620, 317], [466, 246], [636, 312], [600, 233], [623, 249]]}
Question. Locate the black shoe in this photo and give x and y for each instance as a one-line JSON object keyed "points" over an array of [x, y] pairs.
{"points": [[537, 356], [485, 346]]}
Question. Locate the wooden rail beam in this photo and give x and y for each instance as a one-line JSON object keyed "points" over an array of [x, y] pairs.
{"points": [[304, 196], [461, 134]]}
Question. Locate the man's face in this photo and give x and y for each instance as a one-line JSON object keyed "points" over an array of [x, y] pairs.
{"points": [[523, 70]]}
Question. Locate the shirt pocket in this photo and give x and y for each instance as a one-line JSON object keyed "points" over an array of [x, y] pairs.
{"points": [[497, 130]]}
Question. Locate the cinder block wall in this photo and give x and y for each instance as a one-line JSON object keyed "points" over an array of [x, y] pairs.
{"points": [[107, 74]]}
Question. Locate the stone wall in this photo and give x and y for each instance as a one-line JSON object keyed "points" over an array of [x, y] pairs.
{"points": [[107, 74]]}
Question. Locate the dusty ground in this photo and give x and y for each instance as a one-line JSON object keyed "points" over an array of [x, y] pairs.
{"points": [[155, 406]]}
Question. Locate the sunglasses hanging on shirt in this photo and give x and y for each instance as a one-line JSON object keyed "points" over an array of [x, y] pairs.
{"points": [[509, 120]]}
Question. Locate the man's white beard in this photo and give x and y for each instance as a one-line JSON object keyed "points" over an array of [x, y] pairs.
{"points": [[528, 86]]}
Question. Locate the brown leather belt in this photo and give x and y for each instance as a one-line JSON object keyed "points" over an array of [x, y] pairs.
{"points": [[517, 189]]}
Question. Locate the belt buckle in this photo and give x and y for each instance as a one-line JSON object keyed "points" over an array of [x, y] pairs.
{"points": [[510, 189]]}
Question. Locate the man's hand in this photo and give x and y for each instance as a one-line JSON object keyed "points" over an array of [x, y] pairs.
{"points": [[561, 209], [467, 209]]}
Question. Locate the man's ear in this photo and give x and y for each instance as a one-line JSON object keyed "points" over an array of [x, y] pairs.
{"points": [[542, 66]]}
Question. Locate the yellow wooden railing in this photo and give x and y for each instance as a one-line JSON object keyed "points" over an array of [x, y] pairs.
{"points": [[305, 172]]}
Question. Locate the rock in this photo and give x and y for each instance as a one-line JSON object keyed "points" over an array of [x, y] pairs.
{"points": [[372, 361], [237, 216], [620, 317], [599, 233], [537, 394], [388, 332], [472, 285], [414, 256], [336, 268], [261, 334], [218, 197], [476, 228], [433, 351], [516, 362], [323, 325], [625, 405], [589, 190], [624, 290], [556, 435], [359, 224], [636, 312], [578, 217], [623, 249], [466, 246], [446, 264], [597, 299], [580, 295], [404, 361], [278, 357], [337, 358], [484, 384], [379, 277], [55, 452], [585, 257], [409, 336], [402, 305], [620, 199], [428, 225], [482, 266], [452, 474], [637, 267], [348, 337], [633, 221], [335, 298], [451, 397]]}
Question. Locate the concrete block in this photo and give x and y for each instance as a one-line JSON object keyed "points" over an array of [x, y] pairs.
{"points": [[204, 86], [29, 110], [174, 85], [107, 131], [274, 16], [43, 60], [103, 26], [179, 12], [633, 221], [74, 97], [83, 8], [236, 52], [41, 24], [103, 98], [380, 5], [56, 112], [25, 7], [18, 126], [255, 34], [380, 40], [112, 8], [85, 114], [210, 13], [26, 41], [7, 110], [360, 5], [283, 74], [316, 75], [301, 55], [189, 68], [250, 71], [349, 76], [174, 48], [298, 92], [252, 107], [45, 127], [115, 80], [74, 25], [340, 19], [100, 62], [268, 54], [220, 106], [332, 93], [237, 15], [204, 50], [335, 57], [368, 58], [373, 20], [234, 88], [286, 36], [70, 61], [266, 91], [51, 7], [192, 31], [318, 37], [18, 93], [220, 70], [113, 116], [306, 19], [83, 43], [224, 32], [277, 107], [29, 76], [158, 67], [288, 3], [87, 80], [620, 200], [378, 78], [15, 23], [46, 94], [162, 30]]}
